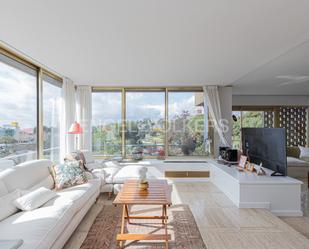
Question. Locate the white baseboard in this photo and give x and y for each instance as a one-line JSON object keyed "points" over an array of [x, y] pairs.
{"points": [[265, 205], [287, 213]]}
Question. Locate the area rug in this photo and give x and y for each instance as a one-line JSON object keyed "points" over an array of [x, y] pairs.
{"points": [[181, 225]]}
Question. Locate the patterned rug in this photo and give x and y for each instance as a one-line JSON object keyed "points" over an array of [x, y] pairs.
{"points": [[181, 225]]}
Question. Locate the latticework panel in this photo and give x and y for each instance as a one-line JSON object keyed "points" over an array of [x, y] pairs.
{"points": [[268, 119], [294, 120]]}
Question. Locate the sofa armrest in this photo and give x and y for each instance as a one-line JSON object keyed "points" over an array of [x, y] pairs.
{"points": [[100, 174], [93, 166]]}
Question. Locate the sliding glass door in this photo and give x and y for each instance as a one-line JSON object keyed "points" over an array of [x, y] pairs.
{"points": [[185, 123], [149, 123], [18, 112], [145, 123], [106, 123]]}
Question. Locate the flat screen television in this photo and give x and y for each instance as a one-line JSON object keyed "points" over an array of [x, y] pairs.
{"points": [[266, 146]]}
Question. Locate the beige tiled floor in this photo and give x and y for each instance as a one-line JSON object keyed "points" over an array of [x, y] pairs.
{"points": [[301, 224], [222, 225]]}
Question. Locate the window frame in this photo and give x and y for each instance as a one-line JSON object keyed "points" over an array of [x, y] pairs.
{"points": [[124, 90], [23, 61]]}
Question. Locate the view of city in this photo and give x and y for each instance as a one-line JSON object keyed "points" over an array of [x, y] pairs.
{"points": [[145, 124], [18, 123], [18, 112]]}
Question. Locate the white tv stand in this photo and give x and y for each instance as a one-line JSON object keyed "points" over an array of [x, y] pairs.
{"points": [[281, 195]]}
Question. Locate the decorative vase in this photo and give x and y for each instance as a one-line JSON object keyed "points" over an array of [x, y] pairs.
{"points": [[143, 185]]}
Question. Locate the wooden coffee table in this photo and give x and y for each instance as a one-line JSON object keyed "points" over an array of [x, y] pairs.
{"points": [[158, 193]]}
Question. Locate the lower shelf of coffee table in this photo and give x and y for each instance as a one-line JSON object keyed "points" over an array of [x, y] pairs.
{"points": [[133, 236]]}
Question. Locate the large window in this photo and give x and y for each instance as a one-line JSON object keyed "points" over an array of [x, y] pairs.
{"points": [[245, 119], [18, 112], [106, 123], [145, 123], [51, 118], [186, 124], [156, 122]]}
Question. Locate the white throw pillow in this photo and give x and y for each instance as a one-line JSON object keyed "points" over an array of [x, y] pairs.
{"points": [[7, 207], [6, 164], [304, 152], [11, 244], [47, 182], [112, 164], [34, 199]]}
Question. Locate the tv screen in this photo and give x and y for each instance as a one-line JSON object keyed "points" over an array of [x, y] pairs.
{"points": [[266, 146]]}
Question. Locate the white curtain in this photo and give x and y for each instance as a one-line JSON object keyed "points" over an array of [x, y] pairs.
{"points": [[84, 115], [211, 95], [67, 117], [206, 125]]}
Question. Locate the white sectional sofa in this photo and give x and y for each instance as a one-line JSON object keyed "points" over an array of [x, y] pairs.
{"points": [[111, 173], [51, 225]]}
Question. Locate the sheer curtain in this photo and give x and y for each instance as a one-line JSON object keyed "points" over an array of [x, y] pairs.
{"points": [[211, 95], [67, 117], [84, 115]]}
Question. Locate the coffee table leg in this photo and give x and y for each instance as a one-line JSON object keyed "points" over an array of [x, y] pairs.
{"points": [[165, 225], [127, 213], [121, 242], [163, 214]]}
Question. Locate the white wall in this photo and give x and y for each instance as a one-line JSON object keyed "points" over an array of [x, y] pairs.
{"points": [[270, 100]]}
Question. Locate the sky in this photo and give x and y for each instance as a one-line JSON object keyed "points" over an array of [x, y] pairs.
{"points": [[140, 105], [18, 98], [18, 101]]}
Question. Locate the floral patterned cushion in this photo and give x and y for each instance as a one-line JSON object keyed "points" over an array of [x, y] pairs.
{"points": [[76, 156], [68, 174]]}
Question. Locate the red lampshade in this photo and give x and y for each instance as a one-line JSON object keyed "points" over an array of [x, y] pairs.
{"points": [[75, 128]]}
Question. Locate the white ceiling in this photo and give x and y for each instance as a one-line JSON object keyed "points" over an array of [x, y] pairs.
{"points": [[245, 43]]}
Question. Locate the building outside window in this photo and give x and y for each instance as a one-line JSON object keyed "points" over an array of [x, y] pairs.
{"points": [[18, 112]]}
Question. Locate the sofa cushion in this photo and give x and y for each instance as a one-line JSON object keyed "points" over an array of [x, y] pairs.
{"points": [[292, 151], [38, 228], [130, 172], [6, 164], [93, 165], [304, 152], [47, 182], [25, 175], [68, 174], [295, 162], [7, 207], [87, 156], [11, 244], [3, 189], [78, 194], [34, 199], [111, 164], [109, 173]]}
